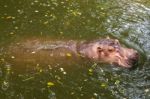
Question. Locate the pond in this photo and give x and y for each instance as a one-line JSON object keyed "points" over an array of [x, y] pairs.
{"points": [[126, 20]]}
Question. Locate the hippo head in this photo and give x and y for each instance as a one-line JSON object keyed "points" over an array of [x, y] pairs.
{"points": [[110, 51]]}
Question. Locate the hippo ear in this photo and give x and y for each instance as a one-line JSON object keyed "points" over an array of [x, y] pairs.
{"points": [[117, 42], [107, 37]]}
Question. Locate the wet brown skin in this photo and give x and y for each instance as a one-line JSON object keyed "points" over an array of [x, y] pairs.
{"points": [[109, 51], [103, 50]]}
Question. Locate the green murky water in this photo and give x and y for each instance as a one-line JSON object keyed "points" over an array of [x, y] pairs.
{"points": [[126, 20]]}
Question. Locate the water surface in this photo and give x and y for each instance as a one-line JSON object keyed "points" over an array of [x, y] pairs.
{"points": [[126, 20]]}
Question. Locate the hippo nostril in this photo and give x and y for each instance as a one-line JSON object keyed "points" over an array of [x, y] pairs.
{"points": [[133, 60], [134, 56], [137, 55]]}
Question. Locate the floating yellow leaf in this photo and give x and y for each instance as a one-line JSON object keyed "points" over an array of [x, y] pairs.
{"points": [[49, 84], [11, 33], [90, 72], [117, 82], [41, 70], [68, 54], [8, 17], [46, 22], [2, 59], [12, 56], [61, 32], [103, 85]]}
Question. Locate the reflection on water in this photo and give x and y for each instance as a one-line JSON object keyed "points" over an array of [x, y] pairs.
{"points": [[127, 20]]}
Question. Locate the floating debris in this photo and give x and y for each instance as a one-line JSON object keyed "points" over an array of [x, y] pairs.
{"points": [[30, 78], [10, 17], [16, 27], [5, 85], [61, 69], [13, 57], [46, 22], [2, 59], [72, 93], [33, 52], [146, 90], [11, 33], [41, 70], [5, 6], [103, 85], [49, 84], [117, 82], [36, 1], [36, 11], [68, 54], [61, 33], [90, 71], [95, 94], [64, 73]]}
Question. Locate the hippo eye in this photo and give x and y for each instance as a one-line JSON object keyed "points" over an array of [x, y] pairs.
{"points": [[111, 49], [112, 43], [99, 49]]}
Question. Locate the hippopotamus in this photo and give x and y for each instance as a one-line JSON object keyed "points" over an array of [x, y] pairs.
{"points": [[104, 50]]}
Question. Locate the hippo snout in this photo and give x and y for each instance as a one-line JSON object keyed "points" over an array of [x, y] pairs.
{"points": [[133, 59]]}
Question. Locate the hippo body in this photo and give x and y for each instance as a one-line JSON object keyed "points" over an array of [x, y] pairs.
{"points": [[46, 51]]}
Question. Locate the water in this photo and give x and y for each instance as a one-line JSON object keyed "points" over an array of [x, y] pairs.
{"points": [[126, 20]]}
